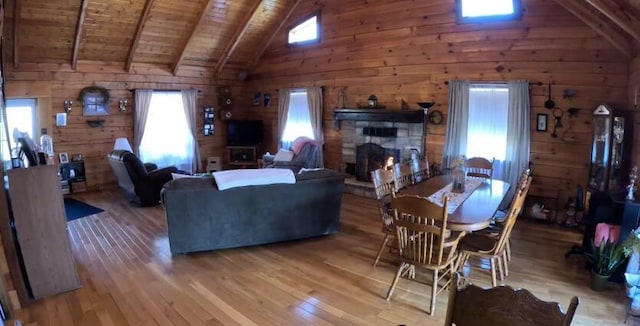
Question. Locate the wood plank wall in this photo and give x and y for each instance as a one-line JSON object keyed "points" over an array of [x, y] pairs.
{"points": [[634, 100], [51, 84], [409, 50]]}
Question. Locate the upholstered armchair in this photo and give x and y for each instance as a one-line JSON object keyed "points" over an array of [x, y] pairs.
{"points": [[302, 154], [140, 183]]}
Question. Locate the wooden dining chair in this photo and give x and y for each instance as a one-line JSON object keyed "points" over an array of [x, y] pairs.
{"points": [[402, 176], [502, 306], [494, 248], [479, 167], [499, 217], [424, 241], [383, 185], [420, 170]]}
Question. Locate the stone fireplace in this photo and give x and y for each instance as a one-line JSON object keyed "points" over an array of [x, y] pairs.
{"points": [[356, 133], [371, 136]]}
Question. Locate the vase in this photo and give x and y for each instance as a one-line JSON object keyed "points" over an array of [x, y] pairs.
{"points": [[599, 282], [459, 177]]}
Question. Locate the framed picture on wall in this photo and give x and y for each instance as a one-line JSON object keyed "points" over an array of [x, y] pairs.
{"points": [[64, 158], [541, 122]]}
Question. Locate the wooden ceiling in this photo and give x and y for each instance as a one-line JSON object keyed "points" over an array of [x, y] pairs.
{"points": [[209, 33], [173, 33]]}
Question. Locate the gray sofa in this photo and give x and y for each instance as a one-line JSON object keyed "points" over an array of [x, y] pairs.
{"points": [[200, 217]]}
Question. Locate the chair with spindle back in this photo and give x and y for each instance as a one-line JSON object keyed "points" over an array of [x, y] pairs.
{"points": [[420, 170], [402, 176], [383, 185], [424, 241], [494, 248], [479, 167], [502, 306]]}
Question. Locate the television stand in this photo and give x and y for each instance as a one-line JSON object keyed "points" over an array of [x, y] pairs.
{"points": [[242, 157]]}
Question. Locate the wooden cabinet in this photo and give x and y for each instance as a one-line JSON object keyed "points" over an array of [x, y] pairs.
{"points": [[41, 230], [242, 157], [610, 150], [73, 174]]}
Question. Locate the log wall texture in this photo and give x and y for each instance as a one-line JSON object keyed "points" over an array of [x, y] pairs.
{"points": [[408, 50]]}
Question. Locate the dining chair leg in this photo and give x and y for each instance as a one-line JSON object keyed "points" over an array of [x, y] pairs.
{"points": [[401, 268], [434, 292], [494, 282], [505, 262], [500, 270], [384, 243]]}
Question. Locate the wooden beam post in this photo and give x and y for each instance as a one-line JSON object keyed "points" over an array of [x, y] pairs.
{"points": [[17, 9], [608, 9], [235, 40], [273, 35], [203, 13], [600, 26], [136, 38], [79, 26]]}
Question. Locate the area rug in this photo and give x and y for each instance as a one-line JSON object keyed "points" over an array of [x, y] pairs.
{"points": [[77, 209]]}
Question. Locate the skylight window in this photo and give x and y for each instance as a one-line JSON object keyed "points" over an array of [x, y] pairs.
{"points": [[474, 11], [306, 32]]}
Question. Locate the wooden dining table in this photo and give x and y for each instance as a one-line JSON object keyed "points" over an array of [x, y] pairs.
{"points": [[476, 211]]}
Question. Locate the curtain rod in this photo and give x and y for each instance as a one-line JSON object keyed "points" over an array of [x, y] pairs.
{"points": [[495, 82], [133, 90]]}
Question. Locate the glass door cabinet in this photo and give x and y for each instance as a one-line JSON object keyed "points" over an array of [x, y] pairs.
{"points": [[609, 157]]}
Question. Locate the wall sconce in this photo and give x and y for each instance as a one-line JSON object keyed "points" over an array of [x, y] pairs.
{"points": [[67, 105], [122, 105]]}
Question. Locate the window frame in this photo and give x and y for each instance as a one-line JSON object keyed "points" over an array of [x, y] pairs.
{"points": [[299, 22], [517, 15]]}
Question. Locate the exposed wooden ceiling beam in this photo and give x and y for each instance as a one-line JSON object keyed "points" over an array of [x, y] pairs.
{"points": [[599, 25], [79, 26], [203, 13], [613, 12], [273, 35], [136, 38], [17, 9], [237, 37]]}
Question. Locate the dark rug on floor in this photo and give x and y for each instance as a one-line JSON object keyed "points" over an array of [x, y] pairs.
{"points": [[77, 209]]}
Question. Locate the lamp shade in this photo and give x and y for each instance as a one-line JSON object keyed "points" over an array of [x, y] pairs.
{"points": [[122, 143]]}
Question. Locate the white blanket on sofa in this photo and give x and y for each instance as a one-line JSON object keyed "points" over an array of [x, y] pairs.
{"points": [[252, 177]]}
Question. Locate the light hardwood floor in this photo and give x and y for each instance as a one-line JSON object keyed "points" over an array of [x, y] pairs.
{"points": [[130, 278]]}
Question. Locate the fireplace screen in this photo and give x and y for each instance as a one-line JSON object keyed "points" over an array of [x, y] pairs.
{"points": [[372, 156]]}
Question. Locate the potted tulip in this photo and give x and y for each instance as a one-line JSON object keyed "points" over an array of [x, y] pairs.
{"points": [[607, 257]]}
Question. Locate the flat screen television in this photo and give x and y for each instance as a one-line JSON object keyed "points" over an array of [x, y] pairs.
{"points": [[244, 132]]}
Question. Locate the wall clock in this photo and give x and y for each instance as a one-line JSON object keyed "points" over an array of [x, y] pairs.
{"points": [[435, 117]]}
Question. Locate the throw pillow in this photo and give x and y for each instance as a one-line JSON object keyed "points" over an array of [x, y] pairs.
{"points": [[283, 155]]}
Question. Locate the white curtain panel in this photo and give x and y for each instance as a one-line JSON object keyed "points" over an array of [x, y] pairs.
{"points": [[518, 134], [283, 111], [455, 143], [141, 112], [189, 102], [314, 98]]}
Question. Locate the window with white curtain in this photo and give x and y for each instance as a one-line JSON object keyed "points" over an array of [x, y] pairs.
{"points": [[488, 121], [167, 140], [298, 119], [21, 118]]}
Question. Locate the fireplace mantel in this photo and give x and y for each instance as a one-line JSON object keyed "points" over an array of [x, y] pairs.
{"points": [[407, 116]]}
